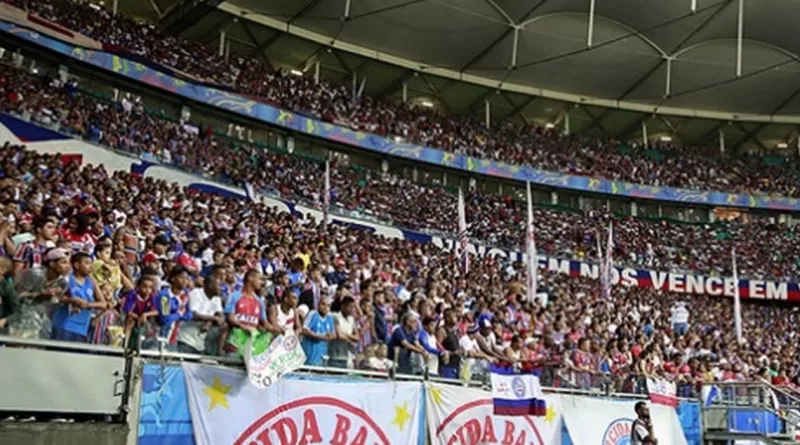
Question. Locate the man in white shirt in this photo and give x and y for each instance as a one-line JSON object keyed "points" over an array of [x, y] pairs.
{"points": [[207, 311], [342, 350], [680, 318]]}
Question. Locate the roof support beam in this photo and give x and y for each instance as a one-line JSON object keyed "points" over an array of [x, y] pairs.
{"points": [[637, 123], [714, 130], [481, 99], [184, 14], [263, 46], [518, 109], [396, 84], [680, 45], [590, 31], [739, 35], [257, 47], [597, 122], [220, 25], [501, 37], [750, 135], [435, 91]]}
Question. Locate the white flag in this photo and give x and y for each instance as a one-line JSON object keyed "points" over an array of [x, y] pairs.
{"points": [[737, 304], [462, 248], [326, 197], [227, 410], [530, 241]]}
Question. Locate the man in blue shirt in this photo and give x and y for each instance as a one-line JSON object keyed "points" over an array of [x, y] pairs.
{"points": [[318, 330], [405, 342]]}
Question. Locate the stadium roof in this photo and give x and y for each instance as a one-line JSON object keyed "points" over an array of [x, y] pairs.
{"points": [[677, 65]]}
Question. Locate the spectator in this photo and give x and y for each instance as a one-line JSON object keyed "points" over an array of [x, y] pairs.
{"points": [[72, 317], [318, 331], [9, 300], [343, 348], [404, 345], [138, 307], [207, 313], [246, 314], [173, 307]]}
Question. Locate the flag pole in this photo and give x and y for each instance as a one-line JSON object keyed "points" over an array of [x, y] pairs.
{"points": [[462, 243], [737, 304], [530, 241], [326, 197]]}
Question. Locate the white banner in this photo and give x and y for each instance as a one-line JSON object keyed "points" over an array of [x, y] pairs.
{"points": [[458, 415], [227, 410], [283, 356], [592, 421], [663, 392]]}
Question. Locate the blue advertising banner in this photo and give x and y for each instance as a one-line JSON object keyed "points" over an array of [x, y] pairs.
{"points": [[164, 417], [689, 416], [294, 121]]}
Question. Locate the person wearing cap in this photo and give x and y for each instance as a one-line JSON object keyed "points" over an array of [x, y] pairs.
{"points": [[474, 360], [173, 307], [404, 342]]}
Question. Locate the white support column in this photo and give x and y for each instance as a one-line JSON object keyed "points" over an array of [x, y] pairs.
{"points": [[355, 84], [668, 86], [644, 134], [721, 142], [553, 198], [347, 9], [405, 91], [693, 6], [515, 47], [590, 33], [186, 113], [634, 209], [739, 36], [444, 179], [222, 42], [316, 72], [487, 111], [63, 73], [115, 7], [566, 123], [17, 59], [227, 50]]}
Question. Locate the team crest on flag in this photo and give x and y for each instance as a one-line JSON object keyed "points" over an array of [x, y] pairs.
{"points": [[516, 392]]}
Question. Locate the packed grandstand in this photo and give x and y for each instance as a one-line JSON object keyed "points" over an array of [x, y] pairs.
{"points": [[93, 255]]}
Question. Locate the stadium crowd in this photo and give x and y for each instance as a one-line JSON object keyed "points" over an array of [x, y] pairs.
{"points": [[92, 256], [89, 255], [765, 250], [661, 165]]}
